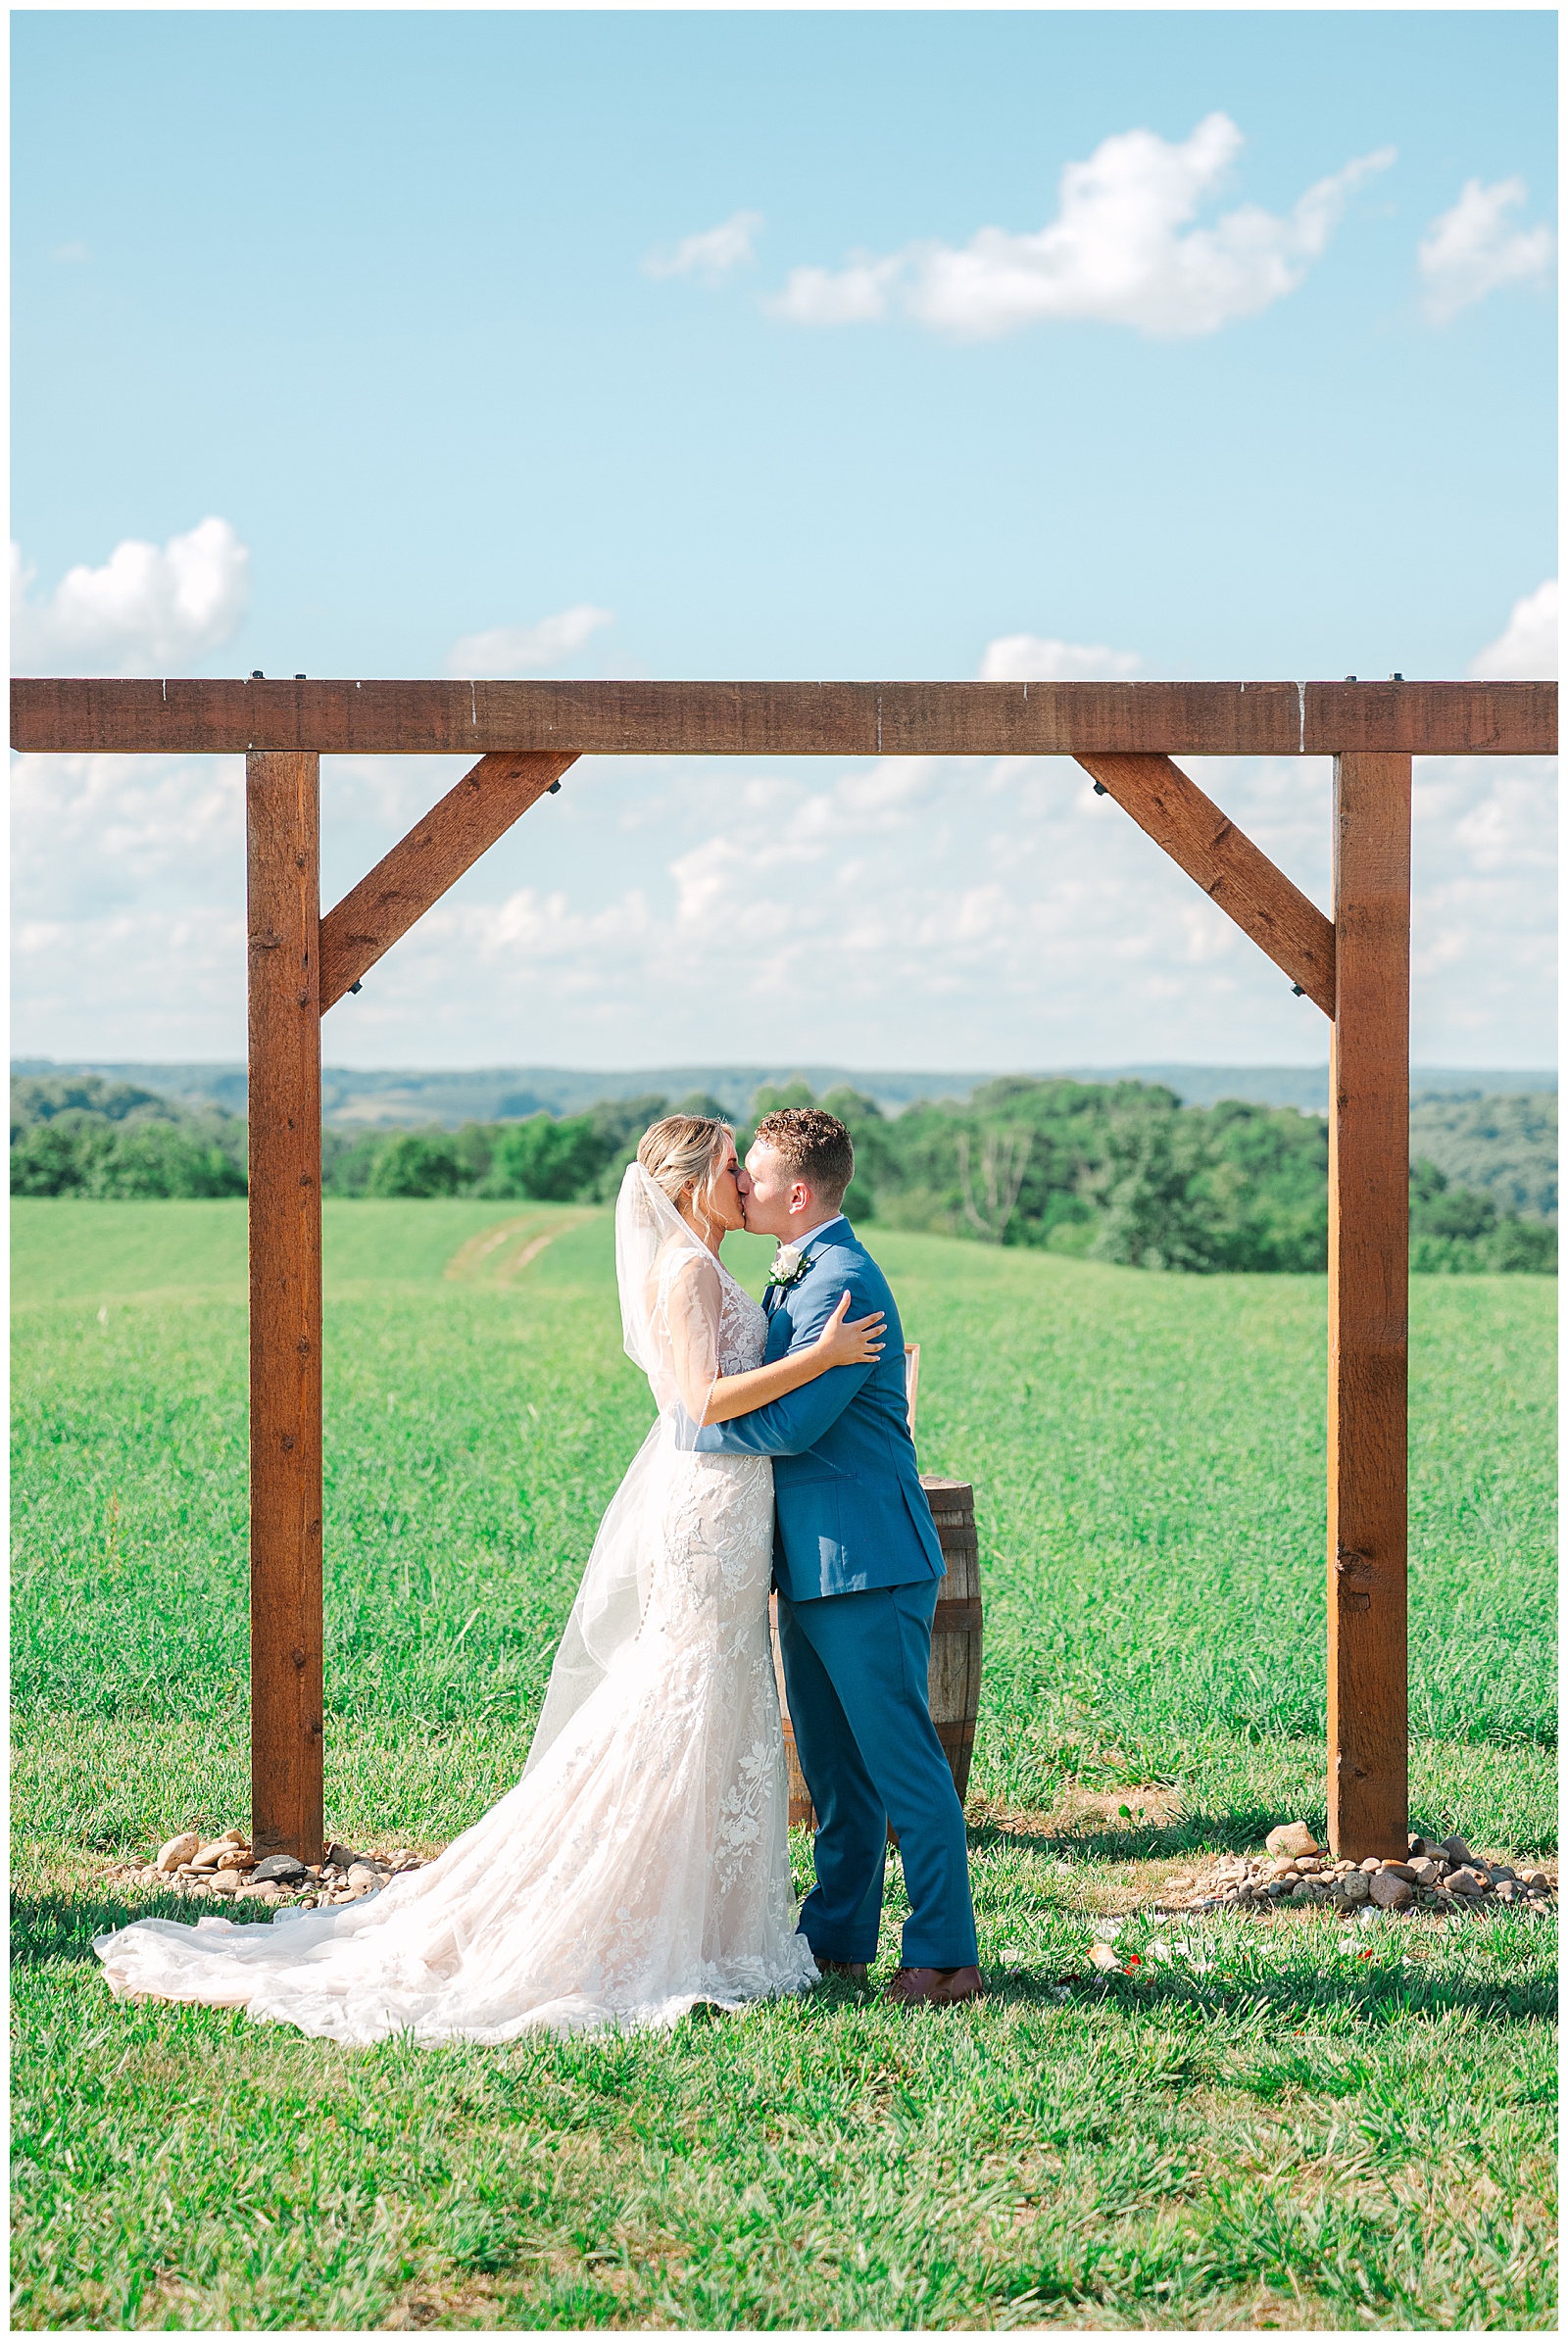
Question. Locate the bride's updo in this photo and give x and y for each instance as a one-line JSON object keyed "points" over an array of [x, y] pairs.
{"points": [[685, 1154]]}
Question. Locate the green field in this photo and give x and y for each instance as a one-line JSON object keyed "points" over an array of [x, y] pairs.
{"points": [[1276, 2132]]}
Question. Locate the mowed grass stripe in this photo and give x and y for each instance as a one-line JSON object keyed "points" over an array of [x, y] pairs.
{"points": [[64, 1250], [1281, 2132]]}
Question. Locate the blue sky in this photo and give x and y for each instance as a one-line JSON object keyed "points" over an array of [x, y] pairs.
{"points": [[644, 344]]}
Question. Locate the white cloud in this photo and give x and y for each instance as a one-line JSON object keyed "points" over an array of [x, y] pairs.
{"points": [[518, 650], [71, 255], [1122, 250], [145, 612], [857, 294], [1002, 914], [128, 890], [141, 983], [1502, 830], [94, 832], [907, 910], [1484, 909], [1468, 252], [1526, 651], [1042, 658], [713, 253]]}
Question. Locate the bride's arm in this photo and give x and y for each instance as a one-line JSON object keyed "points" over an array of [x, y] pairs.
{"points": [[690, 1311], [837, 1344]]}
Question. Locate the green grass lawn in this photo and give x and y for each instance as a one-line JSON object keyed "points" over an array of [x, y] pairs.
{"points": [[1269, 2126]]}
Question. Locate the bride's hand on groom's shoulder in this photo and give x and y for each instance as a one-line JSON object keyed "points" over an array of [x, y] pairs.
{"points": [[856, 1343]]}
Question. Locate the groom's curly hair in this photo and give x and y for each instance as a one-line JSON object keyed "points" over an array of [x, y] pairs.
{"points": [[817, 1147]]}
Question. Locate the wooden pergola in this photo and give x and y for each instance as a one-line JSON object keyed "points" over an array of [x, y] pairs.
{"points": [[1355, 967]]}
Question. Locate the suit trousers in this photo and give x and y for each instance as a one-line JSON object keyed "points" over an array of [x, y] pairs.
{"points": [[857, 1668]]}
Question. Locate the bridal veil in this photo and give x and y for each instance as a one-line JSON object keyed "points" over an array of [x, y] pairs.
{"points": [[670, 1315]]}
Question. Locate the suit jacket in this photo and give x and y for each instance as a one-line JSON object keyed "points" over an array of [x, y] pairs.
{"points": [[850, 1511]]}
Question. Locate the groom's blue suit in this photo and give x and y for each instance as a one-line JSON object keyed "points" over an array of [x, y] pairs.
{"points": [[856, 1562]]}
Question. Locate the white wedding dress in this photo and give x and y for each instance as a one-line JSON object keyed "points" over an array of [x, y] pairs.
{"points": [[641, 1864]]}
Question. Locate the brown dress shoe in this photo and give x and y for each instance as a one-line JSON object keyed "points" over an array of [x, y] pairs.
{"points": [[933, 1987], [845, 1970]]}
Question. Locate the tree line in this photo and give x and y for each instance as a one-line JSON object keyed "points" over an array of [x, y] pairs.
{"points": [[1114, 1171], [76, 1134]]}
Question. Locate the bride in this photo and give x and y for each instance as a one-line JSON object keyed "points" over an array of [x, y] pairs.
{"points": [[641, 1864]]}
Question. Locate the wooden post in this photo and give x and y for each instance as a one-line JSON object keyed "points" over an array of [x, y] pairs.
{"points": [[1369, 1262], [283, 832]]}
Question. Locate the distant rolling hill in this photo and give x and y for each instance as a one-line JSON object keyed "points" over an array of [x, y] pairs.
{"points": [[403, 1098], [1504, 1146]]}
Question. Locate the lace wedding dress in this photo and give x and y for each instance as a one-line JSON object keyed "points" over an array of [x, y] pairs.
{"points": [[641, 1864]]}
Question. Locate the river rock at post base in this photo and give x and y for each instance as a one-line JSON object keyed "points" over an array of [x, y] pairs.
{"points": [[280, 1868], [1290, 1837], [1425, 1883]]}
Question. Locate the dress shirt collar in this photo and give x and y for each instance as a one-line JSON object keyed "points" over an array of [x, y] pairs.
{"points": [[801, 1242]]}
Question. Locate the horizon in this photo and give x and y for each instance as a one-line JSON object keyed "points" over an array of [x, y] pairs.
{"points": [[503, 1093], [741, 1064], [738, 1063]]}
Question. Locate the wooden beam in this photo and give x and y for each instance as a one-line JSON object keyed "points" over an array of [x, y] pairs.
{"points": [[282, 844], [58, 717], [421, 866], [1369, 1259], [1231, 870], [1430, 719]]}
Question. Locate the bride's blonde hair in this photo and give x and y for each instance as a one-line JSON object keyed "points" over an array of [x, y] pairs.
{"points": [[685, 1154]]}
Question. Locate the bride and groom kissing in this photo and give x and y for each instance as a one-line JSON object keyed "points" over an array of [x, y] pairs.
{"points": [[640, 1866]]}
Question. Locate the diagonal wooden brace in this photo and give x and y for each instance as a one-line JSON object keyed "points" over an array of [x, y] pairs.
{"points": [[433, 856], [1231, 870]]}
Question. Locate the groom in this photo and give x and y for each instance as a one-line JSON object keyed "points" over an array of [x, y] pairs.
{"points": [[857, 1563]]}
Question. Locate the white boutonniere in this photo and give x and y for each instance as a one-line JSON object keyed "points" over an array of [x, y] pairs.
{"points": [[789, 1266]]}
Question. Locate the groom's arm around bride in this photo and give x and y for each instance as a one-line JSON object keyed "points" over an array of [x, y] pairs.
{"points": [[857, 1564]]}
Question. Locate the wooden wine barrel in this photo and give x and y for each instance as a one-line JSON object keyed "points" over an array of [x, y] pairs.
{"points": [[956, 1629], [957, 1633], [802, 1813]]}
